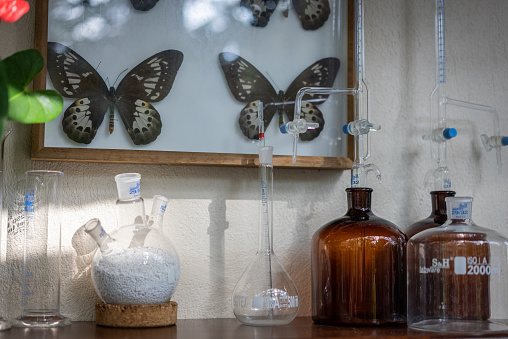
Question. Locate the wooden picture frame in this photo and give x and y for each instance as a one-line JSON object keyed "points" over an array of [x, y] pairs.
{"points": [[42, 152]]}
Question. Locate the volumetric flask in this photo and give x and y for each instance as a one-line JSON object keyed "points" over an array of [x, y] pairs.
{"points": [[457, 275], [265, 295], [40, 301]]}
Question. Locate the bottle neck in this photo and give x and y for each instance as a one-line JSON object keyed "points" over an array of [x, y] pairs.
{"points": [[266, 209], [130, 211], [358, 200], [439, 204]]}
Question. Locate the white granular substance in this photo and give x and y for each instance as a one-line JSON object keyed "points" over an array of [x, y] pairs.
{"points": [[136, 276]]}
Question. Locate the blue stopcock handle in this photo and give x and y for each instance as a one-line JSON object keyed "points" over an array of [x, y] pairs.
{"points": [[345, 129], [504, 141], [283, 129], [449, 133]]}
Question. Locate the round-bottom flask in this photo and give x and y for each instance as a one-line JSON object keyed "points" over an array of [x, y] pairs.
{"points": [[359, 268], [436, 218], [265, 295], [457, 275]]}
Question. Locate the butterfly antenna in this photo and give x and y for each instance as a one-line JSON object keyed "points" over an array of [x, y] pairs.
{"points": [[273, 82], [125, 70]]}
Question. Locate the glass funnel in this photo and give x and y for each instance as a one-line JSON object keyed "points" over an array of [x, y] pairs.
{"points": [[457, 275], [265, 295]]}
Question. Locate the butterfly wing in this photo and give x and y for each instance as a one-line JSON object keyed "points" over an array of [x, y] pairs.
{"points": [[248, 85], [312, 13], [150, 81], [73, 77], [79, 121], [320, 74], [261, 10]]}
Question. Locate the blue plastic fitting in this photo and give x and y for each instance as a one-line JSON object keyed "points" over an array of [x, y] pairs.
{"points": [[449, 133], [283, 129], [504, 141], [345, 129]]}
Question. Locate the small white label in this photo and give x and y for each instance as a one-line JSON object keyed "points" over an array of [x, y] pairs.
{"points": [[460, 265]]}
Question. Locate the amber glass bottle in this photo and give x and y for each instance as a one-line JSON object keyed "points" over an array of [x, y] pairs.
{"points": [[436, 218], [359, 268]]}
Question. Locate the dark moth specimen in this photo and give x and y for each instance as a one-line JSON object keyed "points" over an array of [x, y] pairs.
{"points": [[150, 81], [248, 85], [312, 13], [143, 5]]}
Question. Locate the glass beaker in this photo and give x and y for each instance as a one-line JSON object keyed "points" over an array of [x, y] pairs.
{"points": [[265, 295], [359, 268], [40, 301], [457, 275]]}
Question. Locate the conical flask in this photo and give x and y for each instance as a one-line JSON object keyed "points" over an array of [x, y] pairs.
{"points": [[265, 295]]}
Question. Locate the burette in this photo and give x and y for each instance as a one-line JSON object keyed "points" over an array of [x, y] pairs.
{"points": [[439, 133], [360, 126]]}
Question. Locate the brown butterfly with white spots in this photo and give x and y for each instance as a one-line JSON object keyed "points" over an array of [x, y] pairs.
{"points": [[150, 81], [248, 85]]}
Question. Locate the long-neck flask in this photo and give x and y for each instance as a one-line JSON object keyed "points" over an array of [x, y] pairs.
{"points": [[359, 268], [436, 218], [265, 295], [457, 275]]}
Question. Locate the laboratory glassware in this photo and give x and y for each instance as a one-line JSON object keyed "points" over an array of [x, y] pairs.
{"points": [[436, 218], [40, 301], [359, 268], [457, 275], [4, 323], [265, 295], [136, 264]]}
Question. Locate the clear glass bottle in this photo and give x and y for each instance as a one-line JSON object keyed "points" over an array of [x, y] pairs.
{"points": [[265, 295], [436, 218], [137, 264], [457, 275], [359, 268]]}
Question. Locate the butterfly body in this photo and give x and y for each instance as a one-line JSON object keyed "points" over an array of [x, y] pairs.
{"points": [[248, 85], [149, 81]]}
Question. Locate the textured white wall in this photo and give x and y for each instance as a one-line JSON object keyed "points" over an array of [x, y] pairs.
{"points": [[212, 215]]}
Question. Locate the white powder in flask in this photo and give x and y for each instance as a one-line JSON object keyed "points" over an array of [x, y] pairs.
{"points": [[136, 276]]}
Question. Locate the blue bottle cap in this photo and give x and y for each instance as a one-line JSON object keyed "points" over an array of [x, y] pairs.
{"points": [[449, 133]]}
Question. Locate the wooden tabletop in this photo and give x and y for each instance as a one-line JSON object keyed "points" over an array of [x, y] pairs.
{"points": [[220, 329]]}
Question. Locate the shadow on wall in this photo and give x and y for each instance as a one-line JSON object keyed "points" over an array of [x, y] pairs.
{"points": [[217, 234]]}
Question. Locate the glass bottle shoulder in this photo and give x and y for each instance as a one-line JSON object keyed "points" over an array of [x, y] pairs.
{"points": [[459, 232], [347, 227]]}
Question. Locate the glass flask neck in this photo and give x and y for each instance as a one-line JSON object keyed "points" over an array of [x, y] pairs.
{"points": [[159, 206], [358, 200], [459, 210], [266, 209], [439, 204], [130, 211]]}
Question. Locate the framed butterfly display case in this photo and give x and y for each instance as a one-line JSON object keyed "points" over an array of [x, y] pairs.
{"points": [[181, 82]]}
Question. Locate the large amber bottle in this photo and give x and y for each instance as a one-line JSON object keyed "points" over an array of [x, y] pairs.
{"points": [[359, 268], [436, 218]]}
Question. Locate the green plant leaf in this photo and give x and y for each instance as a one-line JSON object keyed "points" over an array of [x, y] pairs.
{"points": [[4, 103], [26, 106], [34, 107]]}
